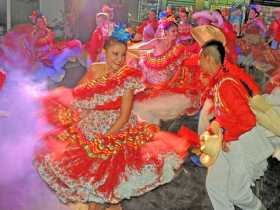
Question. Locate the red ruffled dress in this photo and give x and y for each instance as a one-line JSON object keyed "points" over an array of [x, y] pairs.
{"points": [[171, 86], [81, 163]]}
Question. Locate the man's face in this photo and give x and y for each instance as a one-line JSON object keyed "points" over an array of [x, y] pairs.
{"points": [[204, 63]]}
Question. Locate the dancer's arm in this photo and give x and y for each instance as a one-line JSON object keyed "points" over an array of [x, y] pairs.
{"points": [[126, 106], [147, 45]]}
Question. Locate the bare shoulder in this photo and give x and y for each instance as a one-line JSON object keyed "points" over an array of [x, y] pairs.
{"points": [[95, 71]]}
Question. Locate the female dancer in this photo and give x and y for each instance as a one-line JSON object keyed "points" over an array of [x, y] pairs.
{"points": [[51, 56], [171, 87], [97, 40], [98, 152], [32, 49], [184, 27], [254, 45]]}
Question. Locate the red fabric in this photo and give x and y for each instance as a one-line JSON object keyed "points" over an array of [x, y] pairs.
{"points": [[233, 113], [275, 29], [242, 75], [46, 38], [95, 45], [273, 82], [230, 41], [76, 157], [171, 56], [87, 90], [191, 136], [154, 23], [2, 78]]}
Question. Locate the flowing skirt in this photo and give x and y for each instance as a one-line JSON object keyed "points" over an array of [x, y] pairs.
{"points": [[106, 168]]}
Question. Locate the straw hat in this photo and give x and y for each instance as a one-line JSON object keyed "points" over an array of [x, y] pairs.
{"points": [[205, 33]]}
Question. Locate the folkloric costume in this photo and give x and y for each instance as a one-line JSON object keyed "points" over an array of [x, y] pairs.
{"points": [[95, 45], [172, 88], [273, 82], [51, 55], [81, 163], [253, 44], [226, 100], [33, 50], [235, 171], [184, 31], [203, 34], [98, 38], [274, 29], [15, 46], [148, 29], [184, 27]]}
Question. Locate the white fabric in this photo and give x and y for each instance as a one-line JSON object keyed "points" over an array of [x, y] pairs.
{"points": [[163, 107], [229, 180]]}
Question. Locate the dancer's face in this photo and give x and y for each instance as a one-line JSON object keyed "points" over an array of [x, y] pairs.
{"points": [[115, 55], [41, 23], [252, 14], [183, 16], [152, 15], [172, 33]]}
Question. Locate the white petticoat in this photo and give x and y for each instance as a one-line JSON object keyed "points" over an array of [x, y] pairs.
{"points": [[167, 106]]}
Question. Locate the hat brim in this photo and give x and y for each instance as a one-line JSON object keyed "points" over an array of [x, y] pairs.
{"points": [[206, 33]]}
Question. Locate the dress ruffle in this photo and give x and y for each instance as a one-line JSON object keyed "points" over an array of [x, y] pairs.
{"points": [[81, 163]]}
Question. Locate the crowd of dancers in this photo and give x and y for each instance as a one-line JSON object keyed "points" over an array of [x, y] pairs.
{"points": [[101, 142]]}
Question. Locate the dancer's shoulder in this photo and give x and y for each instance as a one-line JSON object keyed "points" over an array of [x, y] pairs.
{"points": [[95, 71]]}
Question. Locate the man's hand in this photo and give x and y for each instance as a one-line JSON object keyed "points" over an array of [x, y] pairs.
{"points": [[225, 146], [216, 129]]}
